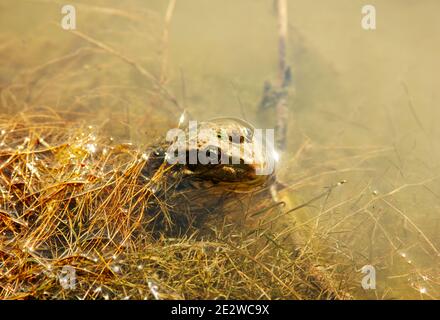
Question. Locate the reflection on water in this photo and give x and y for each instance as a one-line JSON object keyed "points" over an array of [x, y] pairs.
{"points": [[364, 109]]}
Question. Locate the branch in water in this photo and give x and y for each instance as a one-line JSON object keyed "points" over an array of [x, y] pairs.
{"points": [[282, 111]]}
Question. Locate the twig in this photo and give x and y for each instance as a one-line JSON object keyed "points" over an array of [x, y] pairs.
{"points": [[281, 107], [131, 62], [411, 106], [282, 34], [112, 51], [165, 37]]}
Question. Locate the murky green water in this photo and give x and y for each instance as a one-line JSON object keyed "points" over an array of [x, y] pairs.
{"points": [[364, 106]]}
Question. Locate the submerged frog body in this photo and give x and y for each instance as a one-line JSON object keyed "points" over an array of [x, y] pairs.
{"points": [[228, 190]]}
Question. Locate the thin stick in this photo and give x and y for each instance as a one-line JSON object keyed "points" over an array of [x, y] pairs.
{"points": [[131, 62], [112, 51], [411, 106], [281, 107], [282, 34], [165, 37]]}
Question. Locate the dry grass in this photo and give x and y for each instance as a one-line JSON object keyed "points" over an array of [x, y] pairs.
{"points": [[70, 197]]}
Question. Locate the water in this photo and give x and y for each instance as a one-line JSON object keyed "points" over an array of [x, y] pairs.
{"points": [[364, 106]]}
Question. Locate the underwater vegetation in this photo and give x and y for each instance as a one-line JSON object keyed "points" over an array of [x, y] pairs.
{"points": [[90, 209]]}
